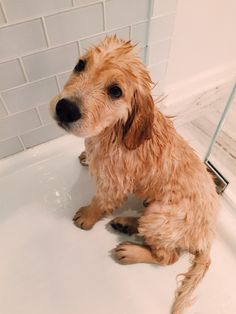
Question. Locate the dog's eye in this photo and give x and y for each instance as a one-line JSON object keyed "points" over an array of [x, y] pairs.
{"points": [[80, 66], [114, 91]]}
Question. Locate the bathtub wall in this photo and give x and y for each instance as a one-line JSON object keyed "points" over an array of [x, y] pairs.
{"points": [[40, 42]]}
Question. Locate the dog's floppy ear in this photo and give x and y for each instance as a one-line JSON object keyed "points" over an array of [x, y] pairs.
{"points": [[138, 127]]}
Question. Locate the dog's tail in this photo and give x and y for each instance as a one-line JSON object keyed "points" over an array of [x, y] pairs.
{"points": [[200, 265]]}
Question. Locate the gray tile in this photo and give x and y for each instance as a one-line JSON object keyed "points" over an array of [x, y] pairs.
{"points": [[44, 114], [161, 28], [139, 33], [27, 96], [164, 7], [51, 61], [21, 9], [123, 12], [21, 38], [74, 24], [93, 40], [11, 74], [41, 135], [18, 123], [62, 78], [10, 147]]}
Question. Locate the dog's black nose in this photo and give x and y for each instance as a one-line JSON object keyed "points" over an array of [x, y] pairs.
{"points": [[67, 111]]}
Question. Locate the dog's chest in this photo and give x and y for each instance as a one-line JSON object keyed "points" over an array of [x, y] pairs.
{"points": [[105, 162]]}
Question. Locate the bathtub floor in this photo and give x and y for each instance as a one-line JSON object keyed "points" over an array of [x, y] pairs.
{"points": [[48, 266]]}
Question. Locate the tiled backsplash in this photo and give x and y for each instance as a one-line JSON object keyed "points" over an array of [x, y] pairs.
{"points": [[40, 44]]}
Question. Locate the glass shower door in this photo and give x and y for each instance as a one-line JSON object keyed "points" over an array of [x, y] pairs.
{"points": [[221, 154]]}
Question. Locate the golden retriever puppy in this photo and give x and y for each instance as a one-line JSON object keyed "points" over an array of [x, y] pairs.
{"points": [[131, 147]]}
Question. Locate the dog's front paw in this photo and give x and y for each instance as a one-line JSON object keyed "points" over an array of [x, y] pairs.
{"points": [[84, 218]]}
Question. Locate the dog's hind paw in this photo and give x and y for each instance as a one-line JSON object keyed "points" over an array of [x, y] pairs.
{"points": [[83, 159]]}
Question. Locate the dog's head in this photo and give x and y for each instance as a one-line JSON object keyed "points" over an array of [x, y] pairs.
{"points": [[109, 86]]}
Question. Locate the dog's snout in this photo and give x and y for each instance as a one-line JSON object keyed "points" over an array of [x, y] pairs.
{"points": [[67, 111]]}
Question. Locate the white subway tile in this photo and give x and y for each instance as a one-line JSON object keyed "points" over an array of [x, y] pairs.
{"points": [[3, 112], [159, 51], [2, 18], [161, 28], [122, 33], [18, 123], [21, 9], [84, 2], [139, 33], [51, 61], [10, 147], [29, 95], [21, 38], [76, 23], [158, 72], [11, 74], [44, 114], [62, 78], [125, 12], [41, 135], [164, 7]]}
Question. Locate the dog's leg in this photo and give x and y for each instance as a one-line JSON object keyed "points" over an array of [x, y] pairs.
{"points": [[83, 159], [103, 203], [127, 225], [131, 253], [87, 216]]}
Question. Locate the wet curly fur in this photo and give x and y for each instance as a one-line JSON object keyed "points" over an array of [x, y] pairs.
{"points": [[131, 147]]}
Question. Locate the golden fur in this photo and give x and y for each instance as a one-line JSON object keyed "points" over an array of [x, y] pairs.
{"points": [[131, 147]]}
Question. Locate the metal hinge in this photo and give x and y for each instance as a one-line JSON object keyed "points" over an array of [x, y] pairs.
{"points": [[220, 181]]}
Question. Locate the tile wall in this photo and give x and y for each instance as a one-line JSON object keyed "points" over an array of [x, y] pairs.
{"points": [[40, 42]]}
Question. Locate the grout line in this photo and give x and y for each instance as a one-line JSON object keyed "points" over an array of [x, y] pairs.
{"points": [[4, 12], [58, 84], [148, 31], [163, 15], [79, 48], [11, 114], [45, 31], [47, 49], [26, 20], [23, 69], [34, 81], [4, 106], [72, 8], [104, 15], [39, 116], [73, 3], [130, 32], [26, 132], [20, 139]]}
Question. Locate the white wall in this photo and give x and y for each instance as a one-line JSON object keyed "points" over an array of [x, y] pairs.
{"points": [[204, 41]]}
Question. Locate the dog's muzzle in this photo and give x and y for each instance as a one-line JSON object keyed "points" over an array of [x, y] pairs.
{"points": [[67, 111]]}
